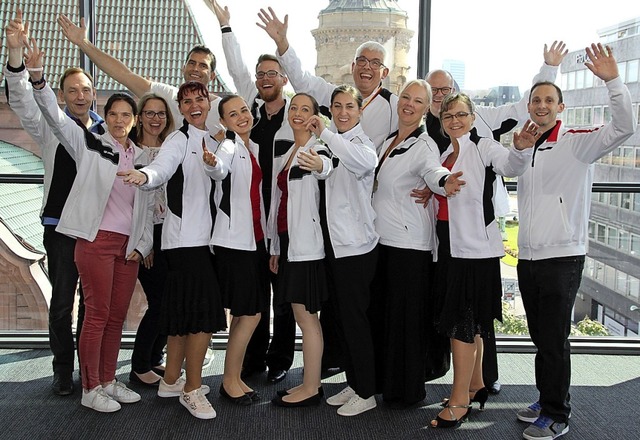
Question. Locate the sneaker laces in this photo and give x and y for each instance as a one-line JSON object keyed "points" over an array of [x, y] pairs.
{"points": [[535, 406]]}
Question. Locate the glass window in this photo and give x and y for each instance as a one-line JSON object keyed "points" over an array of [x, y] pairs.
{"points": [[614, 199], [612, 237], [632, 70], [623, 240], [625, 200], [571, 80], [580, 79], [602, 232], [609, 277], [636, 202], [634, 287], [579, 118], [571, 117], [622, 69], [635, 245], [588, 78], [628, 154], [621, 282], [592, 229], [588, 116], [607, 115]]}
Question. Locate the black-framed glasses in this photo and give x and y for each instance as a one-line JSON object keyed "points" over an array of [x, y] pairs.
{"points": [[458, 116], [444, 90], [151, 114], [269, 74], [374, 63]]}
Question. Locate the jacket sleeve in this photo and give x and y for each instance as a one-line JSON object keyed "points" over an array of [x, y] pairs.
{"points": [[303, 81], [507, 162], [24, 105], [224, 158], [431, 169], [502, 119], [70, 135], [357, 155], [242, 78], [145, 244], [171, 155], [591, 145], [327, 164]]}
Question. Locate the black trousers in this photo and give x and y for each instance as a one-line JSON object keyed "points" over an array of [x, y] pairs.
{"points": [[149, 343], [349, 289], [63, 275], [549, 289]]}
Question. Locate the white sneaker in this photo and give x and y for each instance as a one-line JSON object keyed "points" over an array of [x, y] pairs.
{"points": [[120, 393], [197, 404], [99, 400], [357, 405], [175, 390], [342, 397]]}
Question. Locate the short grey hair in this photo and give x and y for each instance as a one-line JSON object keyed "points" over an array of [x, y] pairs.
{"points": [[374, 47]]}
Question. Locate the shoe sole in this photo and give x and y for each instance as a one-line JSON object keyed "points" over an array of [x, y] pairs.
{"points": [[560, 434], [357, 413], [204, 388], [335, 403], [527, 419], [198, 415], [106, 410]]}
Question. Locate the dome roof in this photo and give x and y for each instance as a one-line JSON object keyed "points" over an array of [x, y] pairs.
{"points": [[362, 5]]}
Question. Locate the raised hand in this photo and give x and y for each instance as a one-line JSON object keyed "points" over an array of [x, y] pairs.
{"points": [[527, 137], [73, 33], [310, 161], [222, 14], [276, 29], [554, 56], [454, 184], [33, 60], [17, 32], [601, 62]]}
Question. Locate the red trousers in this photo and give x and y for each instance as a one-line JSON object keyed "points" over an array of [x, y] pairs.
{"points": [[108, 280]]}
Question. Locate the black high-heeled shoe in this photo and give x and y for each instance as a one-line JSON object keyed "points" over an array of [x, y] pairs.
{"points": [[439, 422], [283, 393], [243, 400], [309, 401], [480, 396]]}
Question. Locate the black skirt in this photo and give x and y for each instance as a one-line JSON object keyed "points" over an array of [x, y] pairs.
{"points": [[192, 301], [300, 282], [244, 279], [469, 292]]}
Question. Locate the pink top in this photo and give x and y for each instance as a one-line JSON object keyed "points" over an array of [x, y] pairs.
{"points": [[118, 214]]}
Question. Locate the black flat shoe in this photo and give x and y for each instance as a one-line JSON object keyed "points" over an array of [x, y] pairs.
{"points": [[158, 371], [243, 400], [439, 422], [309, 401], [283, 393], [253, 395], [481, 397]]}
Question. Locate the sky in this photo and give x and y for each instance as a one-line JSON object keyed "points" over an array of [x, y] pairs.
{"points": [[500, 41]]}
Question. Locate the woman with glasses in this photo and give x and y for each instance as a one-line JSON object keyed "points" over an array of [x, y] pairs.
{"points": [[112, 226], [407, 160], [468, 283], [147, 360]]}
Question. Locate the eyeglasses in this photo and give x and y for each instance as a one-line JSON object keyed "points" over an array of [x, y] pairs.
{"points": [[151, 114], [269, 74], [444, 90], [458, 116], [374, 63]]}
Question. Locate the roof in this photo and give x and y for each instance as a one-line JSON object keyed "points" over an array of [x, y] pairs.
{"points": [[151, 37], [362, 5], [20, 203]]}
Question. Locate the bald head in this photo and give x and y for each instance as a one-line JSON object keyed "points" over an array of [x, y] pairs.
{"points": [[442, 84]]}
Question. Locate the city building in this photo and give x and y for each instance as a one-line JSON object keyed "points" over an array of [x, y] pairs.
{"points": [[457, 69]]}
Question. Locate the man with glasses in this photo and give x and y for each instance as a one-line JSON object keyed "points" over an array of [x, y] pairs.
{"points": [[264, 93], [379, 116], [78, 93], [199, 66], [491, 122]]}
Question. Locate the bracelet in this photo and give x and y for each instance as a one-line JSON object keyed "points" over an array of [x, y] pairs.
{"points": [[38, 82], [35, 69]]}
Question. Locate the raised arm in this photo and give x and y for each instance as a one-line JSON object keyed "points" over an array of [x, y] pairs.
{"points": [[501, 119], [301, 81], [105, 62]]}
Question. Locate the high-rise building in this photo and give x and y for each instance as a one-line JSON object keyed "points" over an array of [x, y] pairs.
{"points": [[346, 24], [457, 69]]}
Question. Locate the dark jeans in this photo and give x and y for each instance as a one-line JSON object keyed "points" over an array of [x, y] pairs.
{"points": [[277, 355], [63, 275], [149, 343], [549, 289]]}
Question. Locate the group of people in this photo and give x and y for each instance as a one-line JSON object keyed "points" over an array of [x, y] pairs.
{"points": [[377, 235]]}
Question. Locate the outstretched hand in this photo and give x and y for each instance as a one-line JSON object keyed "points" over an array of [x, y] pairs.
{"points": [[554, 56], [17, 32], [276, 29], [222, 13], [207, 156], [33, 59], [454, 184], [73, 33], [133, 177], [527, 137], [601, 62]]}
